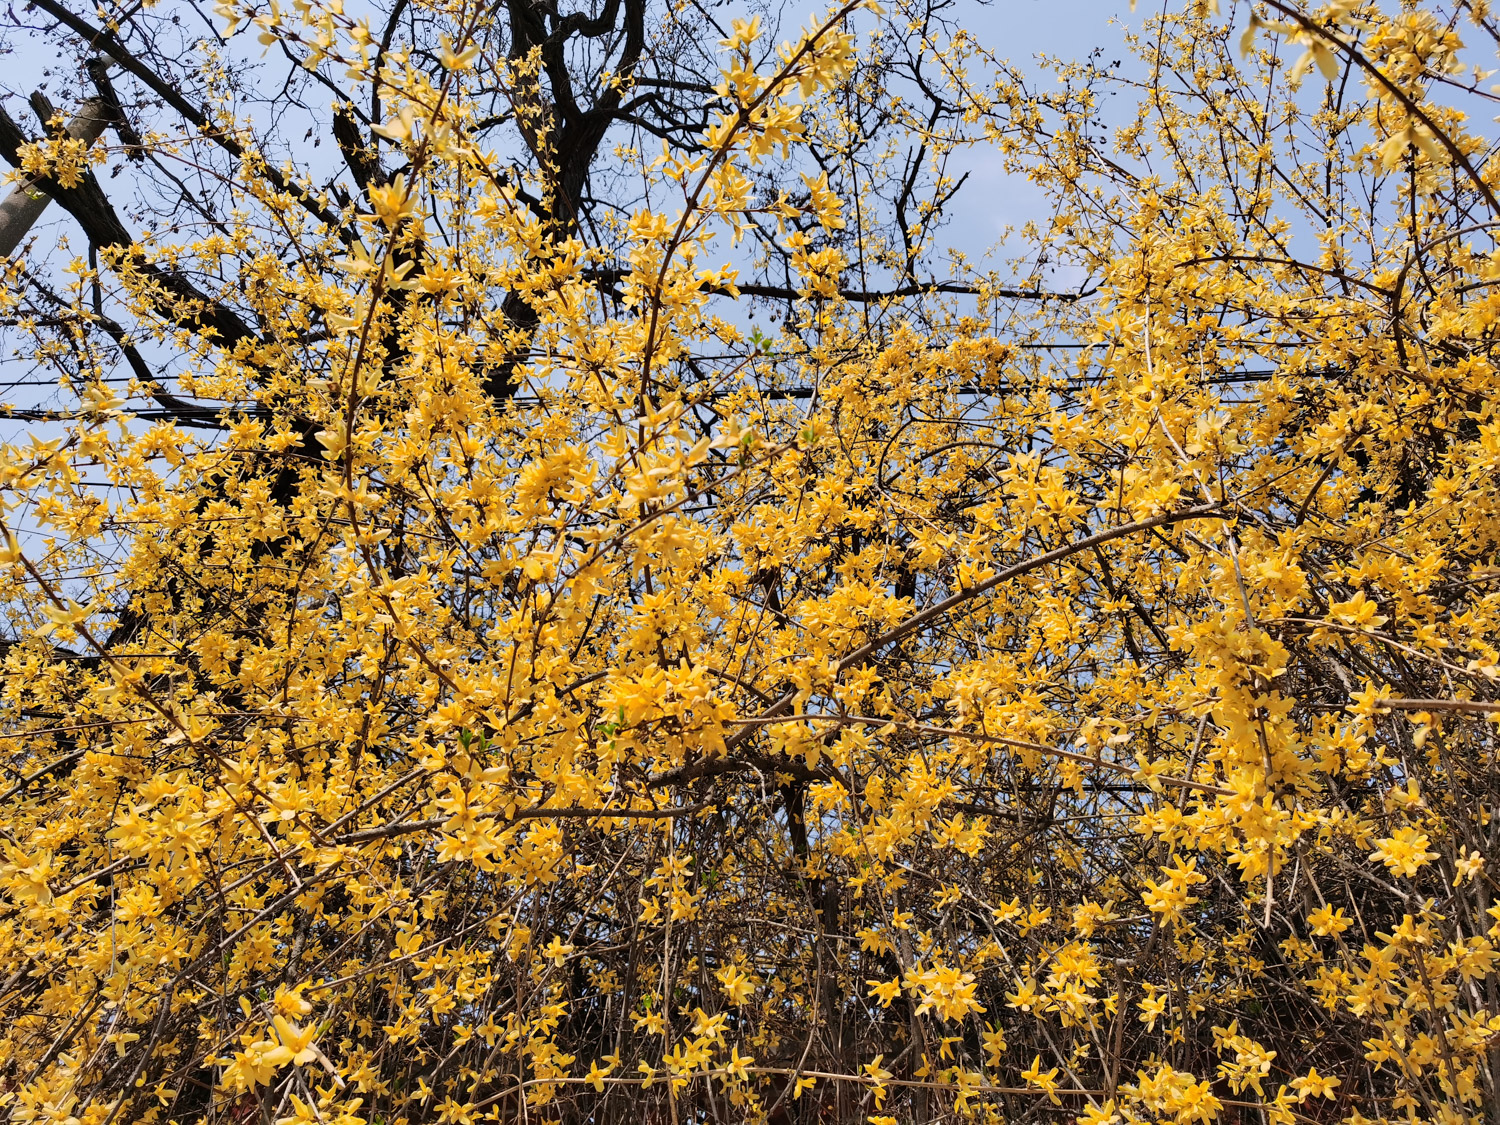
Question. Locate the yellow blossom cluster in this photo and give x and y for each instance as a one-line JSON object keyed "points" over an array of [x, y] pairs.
{"points": [[544, 687]]}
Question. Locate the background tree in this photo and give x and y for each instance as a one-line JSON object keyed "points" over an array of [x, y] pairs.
{"points": [[471, 670]]}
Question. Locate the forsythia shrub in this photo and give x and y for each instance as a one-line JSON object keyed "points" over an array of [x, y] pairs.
{"points": [[528, 693]]}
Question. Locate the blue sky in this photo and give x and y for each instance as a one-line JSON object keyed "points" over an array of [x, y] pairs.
{"points": [[993, 200], [1020, 30], [1015, 29]]}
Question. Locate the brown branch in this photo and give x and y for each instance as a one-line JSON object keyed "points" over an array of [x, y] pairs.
{"points": [[104, 40], [1408, 103], [1473, 706], [916, 621], [50, 767], [711, 766], [407, 827], [610, 276], [874, 296], [176, 298]]}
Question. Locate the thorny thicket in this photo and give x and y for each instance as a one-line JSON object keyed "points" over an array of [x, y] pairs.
{"points": [[526, 693]]}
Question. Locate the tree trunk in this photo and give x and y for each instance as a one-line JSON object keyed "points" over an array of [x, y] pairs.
{"points": [[24, 205]]}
